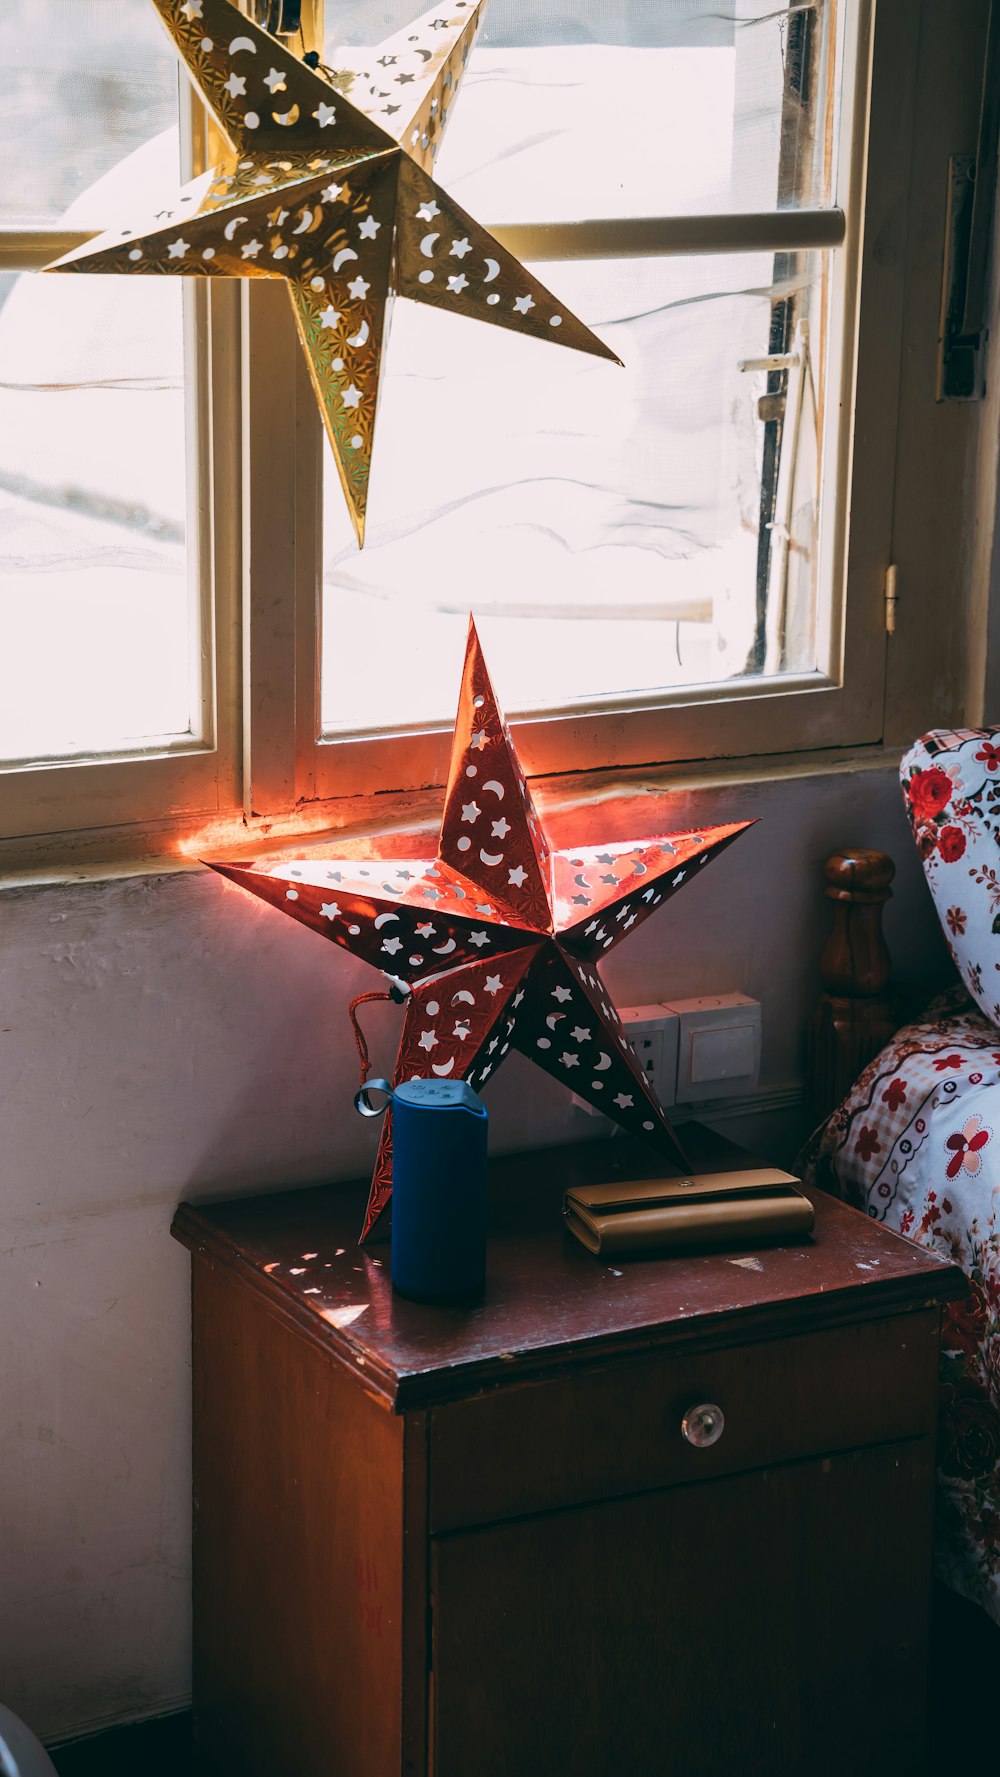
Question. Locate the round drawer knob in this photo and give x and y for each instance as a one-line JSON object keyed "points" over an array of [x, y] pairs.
{"points": [[703, 1425]]}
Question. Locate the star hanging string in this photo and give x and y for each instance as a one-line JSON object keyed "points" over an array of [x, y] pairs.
{"points": [[329, 186], [498, 938]]}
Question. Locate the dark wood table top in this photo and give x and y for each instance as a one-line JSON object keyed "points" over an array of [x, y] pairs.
{"points": [[550, 1304]]}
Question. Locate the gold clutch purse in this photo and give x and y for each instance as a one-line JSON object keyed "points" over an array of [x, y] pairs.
{"points": [[705, 1210]]}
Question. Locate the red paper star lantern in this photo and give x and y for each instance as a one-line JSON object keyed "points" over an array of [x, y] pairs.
{"points": [[498, 938]]}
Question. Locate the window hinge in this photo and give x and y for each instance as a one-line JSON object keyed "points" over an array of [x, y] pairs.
{"points": [[891, 599]]}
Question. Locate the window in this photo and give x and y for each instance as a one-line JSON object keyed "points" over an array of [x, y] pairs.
{"points": [[604, 525], [107, 685], [659, 557]]}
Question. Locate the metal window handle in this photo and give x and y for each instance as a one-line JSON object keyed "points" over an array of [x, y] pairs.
{"points": [[703, 1425]]}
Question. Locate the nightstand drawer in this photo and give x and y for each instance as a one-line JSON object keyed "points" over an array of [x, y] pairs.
{"points": [[595, 1434]]}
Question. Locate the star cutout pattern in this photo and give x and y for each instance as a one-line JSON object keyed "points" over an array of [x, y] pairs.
{"points": [[490, 937], [349, 154]]}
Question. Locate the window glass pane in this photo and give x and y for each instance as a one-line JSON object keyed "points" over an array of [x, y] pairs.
{"points": [[97, 630], [618, 532], [574, 109], [86, 83]]}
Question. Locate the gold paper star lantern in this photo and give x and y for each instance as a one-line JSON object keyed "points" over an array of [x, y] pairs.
{"points": [[329, 187]]}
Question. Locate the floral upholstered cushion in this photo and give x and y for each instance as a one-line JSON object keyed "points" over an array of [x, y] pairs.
{"points": [[951, 785], [916, 1144]]}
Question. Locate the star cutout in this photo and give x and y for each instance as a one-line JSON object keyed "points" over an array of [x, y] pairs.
{"points": [[330, 317], [345, 174], [329, 910], [351, 396], [541, 974]]}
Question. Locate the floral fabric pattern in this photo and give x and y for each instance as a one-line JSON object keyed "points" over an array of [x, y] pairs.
{"points": [[917, 1145], [951, 787]]}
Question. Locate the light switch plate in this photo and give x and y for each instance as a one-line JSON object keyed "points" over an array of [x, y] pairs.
{"points": [[718, 1046]]}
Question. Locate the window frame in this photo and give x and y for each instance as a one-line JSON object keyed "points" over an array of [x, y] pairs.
{"points": [[198, 775], [841, 703], [269, 769]]}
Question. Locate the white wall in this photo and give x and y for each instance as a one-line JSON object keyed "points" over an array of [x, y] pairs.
{"points": [[169, 1037]]}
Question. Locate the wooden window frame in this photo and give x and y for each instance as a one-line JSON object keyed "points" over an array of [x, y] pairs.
{"points": [[269, 769]]}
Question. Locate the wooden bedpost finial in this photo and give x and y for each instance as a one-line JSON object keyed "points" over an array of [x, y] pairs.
{"points": [[854, 1018], [855, 960]]}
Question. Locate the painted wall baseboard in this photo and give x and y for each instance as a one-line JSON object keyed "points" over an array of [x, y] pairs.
{"points": [[769, 1102]]}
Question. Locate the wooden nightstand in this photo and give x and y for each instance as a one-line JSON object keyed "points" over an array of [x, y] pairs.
{"points": [[477, 1544]]}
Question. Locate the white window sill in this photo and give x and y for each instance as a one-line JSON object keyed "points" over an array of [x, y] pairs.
{"points": [[167, 848]]}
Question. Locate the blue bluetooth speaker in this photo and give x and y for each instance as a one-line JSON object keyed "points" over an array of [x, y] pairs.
{"points": [[438, 1189]]}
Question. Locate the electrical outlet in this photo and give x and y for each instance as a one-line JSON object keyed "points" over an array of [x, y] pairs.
{"points": [[652, 1032]]}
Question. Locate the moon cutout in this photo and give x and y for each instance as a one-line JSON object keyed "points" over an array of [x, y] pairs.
{"points": [[231, 227], [343, 256], [491, 857], [383, 920], [445, 949], [427, 54], [492, 270], [305, 224], [602, 1066], [239, 43], [427, 245], [442, 1067], [361, 337], [553, 1019], [463, 998], [287, 119], [497, 789]]}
